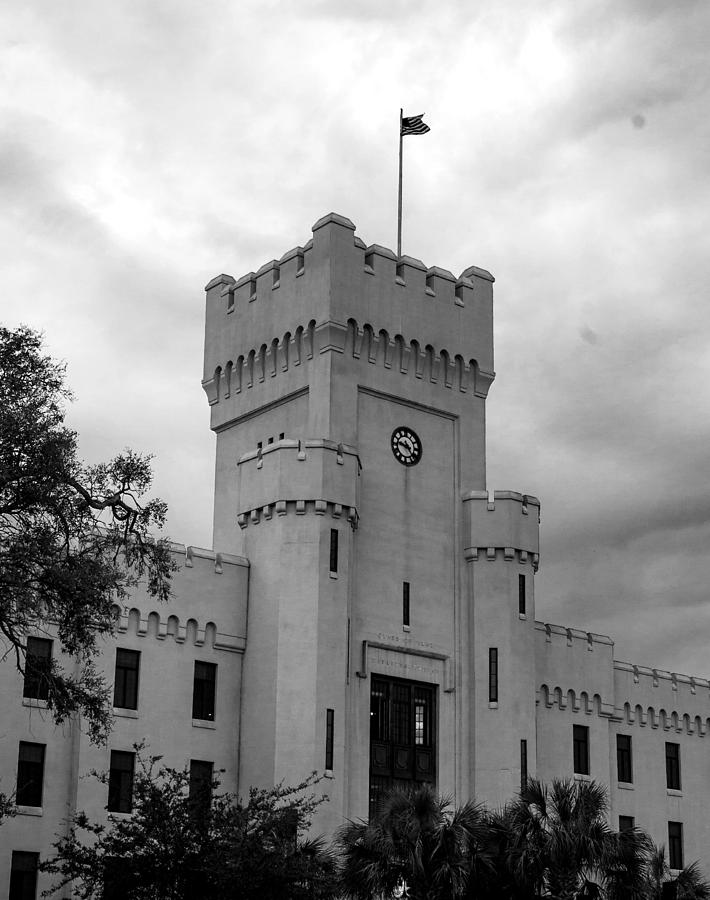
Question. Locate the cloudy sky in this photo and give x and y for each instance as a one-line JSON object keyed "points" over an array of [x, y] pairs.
{"points": [[148, 145]]}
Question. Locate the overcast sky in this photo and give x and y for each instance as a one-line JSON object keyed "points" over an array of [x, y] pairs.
{"points": [[148, 145]]}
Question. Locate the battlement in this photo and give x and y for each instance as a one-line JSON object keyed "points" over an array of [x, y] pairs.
{"points": [[511, 522], [208, 601], [335, 277], [321, 472], [662, 699]]}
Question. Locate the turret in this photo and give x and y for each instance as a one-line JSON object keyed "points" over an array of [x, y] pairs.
{"points": [[501, 546]]}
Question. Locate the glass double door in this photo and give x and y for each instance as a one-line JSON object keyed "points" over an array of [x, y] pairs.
{"points": [[402, 736]]}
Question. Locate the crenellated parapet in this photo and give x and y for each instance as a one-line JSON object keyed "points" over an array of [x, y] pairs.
{"points": [[572, 659], [506, 527], [290, 354], [577, 672], [161, 626], [577, 701], [207, 604], [269, 321], [660, 699], [299, 476]]}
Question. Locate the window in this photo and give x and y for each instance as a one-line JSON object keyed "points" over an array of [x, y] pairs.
{"points": [[203, 691], [405, 603], [329, 733], [120, 781], [30, 774], [626, 823], [673, 767], [334, 550], [623, 758], [38, 664], [580, 746], [492, 674], [523, 765], [200, 785], [521, 594], [125, 685], [675, 845], [23, 875]]}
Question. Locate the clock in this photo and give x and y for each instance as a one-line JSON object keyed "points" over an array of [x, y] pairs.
{"points": [[406, 446]]}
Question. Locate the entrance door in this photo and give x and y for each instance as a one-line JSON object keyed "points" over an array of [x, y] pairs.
{"points": [[402, 739]]}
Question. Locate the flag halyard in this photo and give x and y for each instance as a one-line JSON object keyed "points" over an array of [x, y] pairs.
{"points": [[414, 125]]}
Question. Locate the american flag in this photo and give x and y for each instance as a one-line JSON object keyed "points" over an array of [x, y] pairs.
{"points": [[414, 125]]}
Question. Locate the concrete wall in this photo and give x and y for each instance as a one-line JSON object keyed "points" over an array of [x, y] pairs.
{"points": [[580, 683], [205, 620]]}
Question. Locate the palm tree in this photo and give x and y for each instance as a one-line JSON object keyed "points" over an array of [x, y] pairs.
{"points": [[556, 841], [690, 882], [415, 842]]}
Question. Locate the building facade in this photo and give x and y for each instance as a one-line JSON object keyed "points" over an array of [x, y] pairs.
{"points": [[369, 609]]}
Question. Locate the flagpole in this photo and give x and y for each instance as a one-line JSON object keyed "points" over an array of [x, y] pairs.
{"points": [[399, 201]]}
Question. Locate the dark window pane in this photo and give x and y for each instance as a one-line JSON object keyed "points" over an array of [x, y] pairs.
{"points": [[200, 786], [30, 774], [401, 730], [23, 875], [492, 674], [120, 781], [675, 845], [624, 770], [580, 741], [379, 709], [38, 664], [523, 765], [329, 735], [521, 594], [204, 691], [405, 603], [334, 550], [626, 823], [125, 688], [673, 766]]}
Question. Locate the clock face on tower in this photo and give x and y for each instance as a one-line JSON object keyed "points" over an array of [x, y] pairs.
{"points": [[406, 446]]}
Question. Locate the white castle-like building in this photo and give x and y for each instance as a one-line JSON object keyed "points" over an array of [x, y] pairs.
{"points": [[368, 611]]}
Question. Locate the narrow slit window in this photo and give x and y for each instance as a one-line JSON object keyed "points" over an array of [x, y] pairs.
{"points": [[492, 674], [523, 764], [521, 595], [334, 551], [405, 603], [282, 435], [329, 736]]}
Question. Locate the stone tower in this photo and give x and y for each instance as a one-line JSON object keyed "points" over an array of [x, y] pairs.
{"points": [[347, 391]]}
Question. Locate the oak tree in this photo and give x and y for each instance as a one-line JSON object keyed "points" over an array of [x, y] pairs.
{"points": [[185, 839], [74, 538]]}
